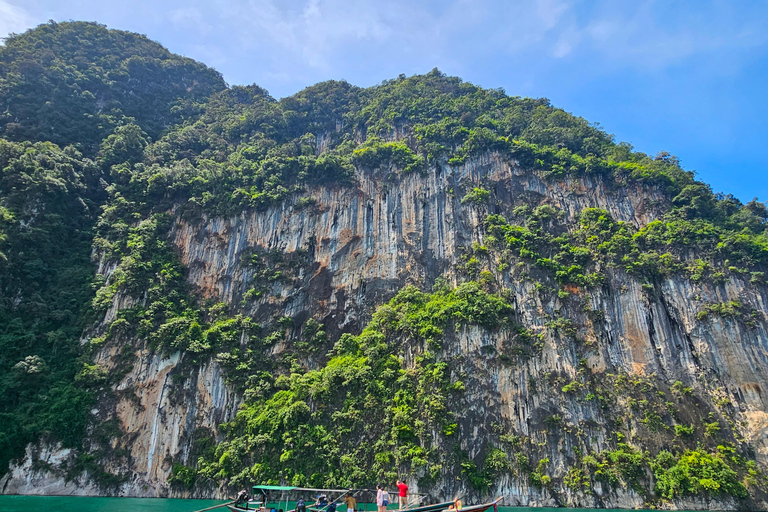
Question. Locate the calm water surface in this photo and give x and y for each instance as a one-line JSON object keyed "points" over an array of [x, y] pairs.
{"points": [[80, 504]]}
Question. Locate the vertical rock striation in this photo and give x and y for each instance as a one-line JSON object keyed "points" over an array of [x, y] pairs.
{"points": [[361, 244]]}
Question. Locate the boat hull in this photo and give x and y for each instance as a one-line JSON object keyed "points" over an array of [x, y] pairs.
{"points": [[235, 508], [475, 508], [430, 508]]}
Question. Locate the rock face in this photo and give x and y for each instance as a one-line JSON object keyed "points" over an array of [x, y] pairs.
{"points": [[361, 244], [367, 242], [160, 418], [38, 474]]}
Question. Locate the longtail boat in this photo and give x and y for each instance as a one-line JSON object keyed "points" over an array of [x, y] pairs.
{"points": [[262, 502], [429, 508], [478, 508]]}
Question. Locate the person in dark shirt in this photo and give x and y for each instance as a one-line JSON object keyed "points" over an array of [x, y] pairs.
{"points": [[301, 506], [322, 501]]}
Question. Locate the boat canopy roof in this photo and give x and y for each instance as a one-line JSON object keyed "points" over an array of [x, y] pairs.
{"points": [[262, 488], [290, 488]]}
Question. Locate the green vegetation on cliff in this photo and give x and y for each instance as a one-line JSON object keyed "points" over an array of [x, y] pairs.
{"points": [[72, 83], [107, 139], [366, 410], [47, 207]]}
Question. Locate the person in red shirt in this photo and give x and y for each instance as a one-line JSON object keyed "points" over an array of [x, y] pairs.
{"points": [[403, 494]]}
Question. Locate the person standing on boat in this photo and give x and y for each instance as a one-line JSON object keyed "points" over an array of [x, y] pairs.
{"points": [[402, 494], [351, 502], [301, 506], [382, 499]]}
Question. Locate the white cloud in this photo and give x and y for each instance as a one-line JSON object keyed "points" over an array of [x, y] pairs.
{"points": [[315, 33], [310, 31], [550, 12], [13, 19], [190, 17], [566, 41], [653, 36], [301, 41]]}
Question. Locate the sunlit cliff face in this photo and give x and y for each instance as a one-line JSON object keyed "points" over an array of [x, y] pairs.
{"points": [[362, 244]]}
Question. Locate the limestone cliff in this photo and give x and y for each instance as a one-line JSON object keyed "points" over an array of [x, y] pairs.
{"points": [[202, 286], [362, 244]]}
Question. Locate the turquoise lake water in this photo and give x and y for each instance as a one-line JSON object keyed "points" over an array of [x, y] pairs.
{"points": [[80, 504]]}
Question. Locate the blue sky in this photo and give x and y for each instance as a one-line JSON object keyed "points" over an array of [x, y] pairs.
{"points": [[688, 77]]}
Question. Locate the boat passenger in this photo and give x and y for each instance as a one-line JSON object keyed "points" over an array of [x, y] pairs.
{"points": [[351, 502], [301, 506], [242, 497], [381, 507], [402, 494], [322, 501]]}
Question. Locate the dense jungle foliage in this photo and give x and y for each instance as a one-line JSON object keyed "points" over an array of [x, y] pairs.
{"points": [[107, 137], [73, 83]]}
